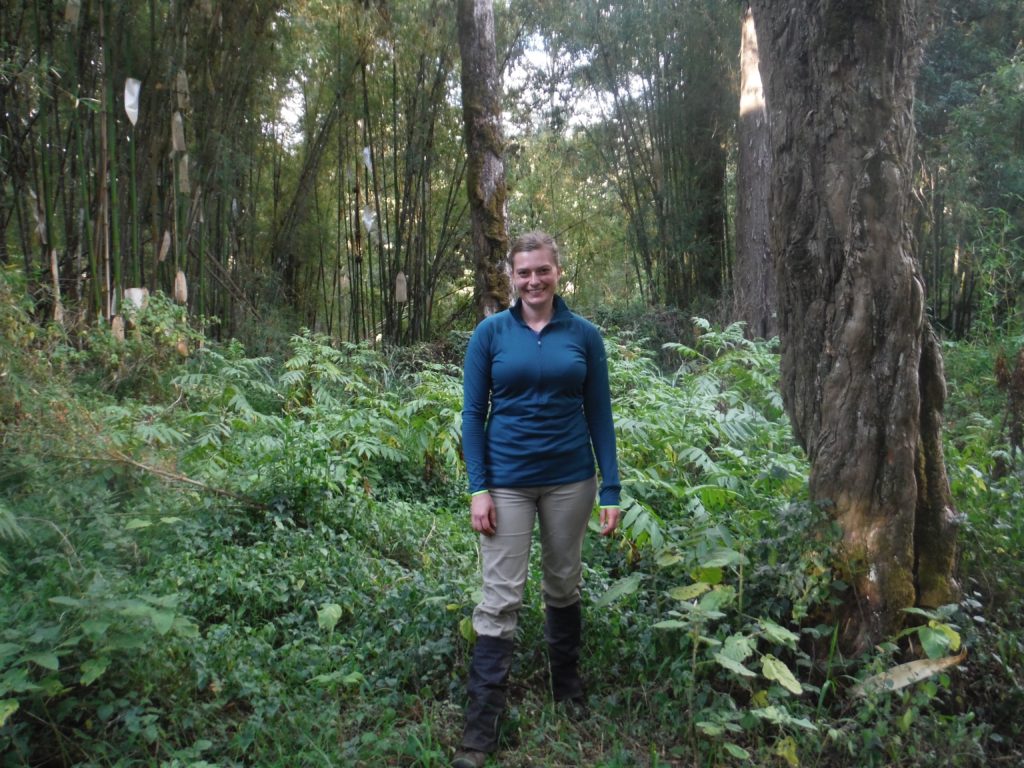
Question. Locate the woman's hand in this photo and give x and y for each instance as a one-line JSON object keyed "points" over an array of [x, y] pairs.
{"points": [[482, 514], [609, 520]]}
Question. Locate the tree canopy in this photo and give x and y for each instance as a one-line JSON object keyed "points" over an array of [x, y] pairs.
{"points": [[293, 159]]}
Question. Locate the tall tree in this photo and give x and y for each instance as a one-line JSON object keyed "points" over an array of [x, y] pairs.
{"points": [[861, 370], [753, 276], [485, 174]]}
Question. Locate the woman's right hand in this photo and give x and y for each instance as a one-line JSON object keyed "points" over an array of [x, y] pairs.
{"points": [[482, 514]]}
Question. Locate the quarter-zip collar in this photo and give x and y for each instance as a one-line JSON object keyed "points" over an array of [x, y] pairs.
{"points": [[561, 311]]}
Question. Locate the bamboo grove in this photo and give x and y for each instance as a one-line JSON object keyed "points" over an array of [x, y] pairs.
{"points": [[143, 147], [278, 164]]}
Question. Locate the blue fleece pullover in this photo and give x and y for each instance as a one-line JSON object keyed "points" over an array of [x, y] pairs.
{"points": [[536, 406]]}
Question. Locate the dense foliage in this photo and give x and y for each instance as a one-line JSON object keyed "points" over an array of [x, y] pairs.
{"points": [[970, 224], [208, 557], [227, 560]]}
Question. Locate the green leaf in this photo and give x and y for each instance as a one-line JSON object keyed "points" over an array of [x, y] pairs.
{"points": [[786, 749], [327, 679], [775, 669], [9, 649], [779, 716], [738, 647], [51, 685], [710, 729], [16, 681], [937, 643], [710, 575], [733, 666], [619, 589], [7, 708], [162, 620], [690, 591], [45, 660], [185, 627], [951, 634], [736, 751], [667, 558], [135, 523], [777, 634], [328, 616], [92, 669], [332, 679], [95, 628], [717, 598], [353, 679], [724, 557], [164, 601], [466, 629]]}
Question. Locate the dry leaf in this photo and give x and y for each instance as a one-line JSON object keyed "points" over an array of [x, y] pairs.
{"points": [[401, 288], [184, 187], [177, 132], [369, 218], [40, 216], [165, 245], [117, 327], [136, 297], [131, 99], [71, 11], [180, 288], [903, 675]]}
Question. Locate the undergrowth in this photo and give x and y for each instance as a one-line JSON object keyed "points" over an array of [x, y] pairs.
{"points": [[226, 560]]}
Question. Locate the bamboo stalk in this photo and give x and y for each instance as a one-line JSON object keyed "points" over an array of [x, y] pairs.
{"points": [[201, 248], [97, 298], [109, 117], [136, 258]]}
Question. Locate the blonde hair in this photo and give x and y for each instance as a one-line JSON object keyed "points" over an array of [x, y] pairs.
{"points": [[533, 241]]}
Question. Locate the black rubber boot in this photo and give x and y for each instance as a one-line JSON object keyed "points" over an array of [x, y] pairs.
{"points": [[487, 687], [563, 629]]}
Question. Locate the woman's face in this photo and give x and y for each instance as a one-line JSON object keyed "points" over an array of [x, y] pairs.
{"points": [[535, 277]]}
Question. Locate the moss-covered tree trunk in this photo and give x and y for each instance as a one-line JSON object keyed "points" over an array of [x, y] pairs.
{"points": [[485, 172], [861, 370]]}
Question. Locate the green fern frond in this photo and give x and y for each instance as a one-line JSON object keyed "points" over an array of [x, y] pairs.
{"points": [[10, 533]]}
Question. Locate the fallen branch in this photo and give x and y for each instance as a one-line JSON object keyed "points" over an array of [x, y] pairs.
{"points": [[164, 474]]}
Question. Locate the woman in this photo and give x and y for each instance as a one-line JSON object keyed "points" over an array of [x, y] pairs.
{"points": [[536, 411]]}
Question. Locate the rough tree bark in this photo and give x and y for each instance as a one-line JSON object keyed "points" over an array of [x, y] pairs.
{"points": [[861, 370], [753, 276], [485, 171]]}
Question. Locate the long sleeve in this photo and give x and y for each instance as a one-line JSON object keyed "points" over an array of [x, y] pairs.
{"points": [[476, 393], [597, 405]]}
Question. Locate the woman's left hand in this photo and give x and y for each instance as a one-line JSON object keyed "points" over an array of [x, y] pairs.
{"points": [[609, 520]]}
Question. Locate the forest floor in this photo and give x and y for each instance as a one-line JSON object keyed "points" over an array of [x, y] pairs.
{"points": [[223, 560]]}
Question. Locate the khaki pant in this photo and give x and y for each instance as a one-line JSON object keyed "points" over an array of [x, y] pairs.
{"points": [[563, 512]]}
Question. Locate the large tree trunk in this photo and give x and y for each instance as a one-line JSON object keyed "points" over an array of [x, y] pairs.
{"points": [[485, 172], [861, 370], [753, 276]]}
